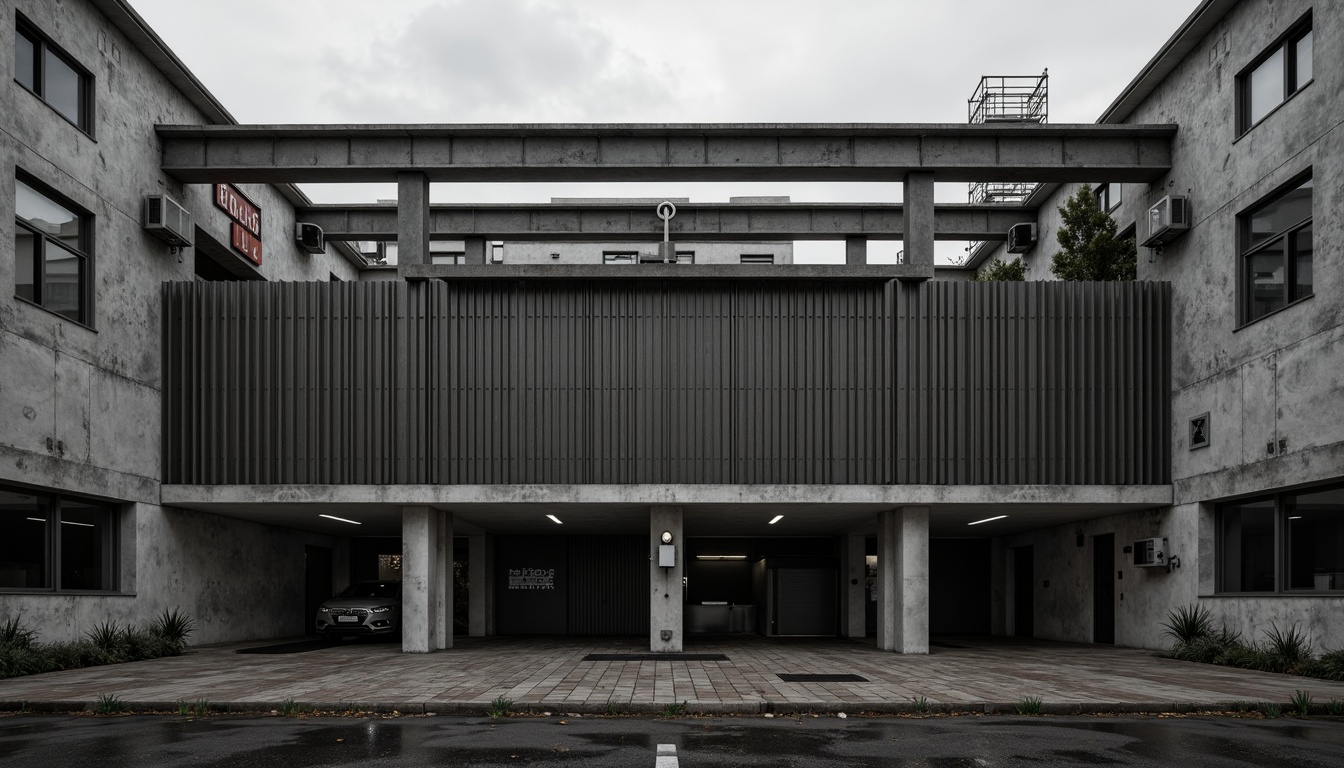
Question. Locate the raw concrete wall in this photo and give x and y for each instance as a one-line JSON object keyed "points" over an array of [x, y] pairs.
{"points": [[79, 404], [238, 580]]}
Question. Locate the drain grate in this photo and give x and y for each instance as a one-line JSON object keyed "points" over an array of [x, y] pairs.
{"points": [[655, 657], [822, 678]]}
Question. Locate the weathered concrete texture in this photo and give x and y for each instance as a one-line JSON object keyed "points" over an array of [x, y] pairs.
{"points": [[238, 580], [903, 580], [682, 152], [426, 562], [853, 607], [666, 596], [719, 222], [413, 225]]}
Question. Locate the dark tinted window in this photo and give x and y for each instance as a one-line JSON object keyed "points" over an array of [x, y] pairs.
{"points": [[1247, 550], [23, 540], [373, 589], [25, 52]]}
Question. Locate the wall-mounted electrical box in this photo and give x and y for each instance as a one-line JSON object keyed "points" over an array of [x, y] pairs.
{"points": [[1150, 553], [667, 555]]}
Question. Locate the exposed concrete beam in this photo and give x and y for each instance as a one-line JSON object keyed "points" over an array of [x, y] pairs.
{"points": [[682, 152], [716, 221]]}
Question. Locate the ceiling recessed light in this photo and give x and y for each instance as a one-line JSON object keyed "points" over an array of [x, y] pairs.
{"points": [[720, 557], [987, 519], [341, 519], [82, 525], [777, 519], [555, 519], [1290, 517]]}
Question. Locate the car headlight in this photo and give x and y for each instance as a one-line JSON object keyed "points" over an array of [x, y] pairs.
{"points": [[381, 609]]}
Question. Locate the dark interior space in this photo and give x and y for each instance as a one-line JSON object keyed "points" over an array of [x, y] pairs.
{"points": [[959, 577]]}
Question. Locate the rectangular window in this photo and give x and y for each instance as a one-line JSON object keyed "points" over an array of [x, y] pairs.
{"points": [[1109, 196], [51, 252], [1274, 77], [620, 257], [1287, 542], [758, 258], [685, 257], [1276, 251], [56, 543], [53, 76]]}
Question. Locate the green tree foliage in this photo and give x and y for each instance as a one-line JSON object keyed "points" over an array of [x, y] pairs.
{"points": [[1002, 270], [1089, 247]]}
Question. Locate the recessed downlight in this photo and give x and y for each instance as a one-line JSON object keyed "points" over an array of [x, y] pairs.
{"points": [[988, 520], [777, 519], [341, 519], [720, 557], [555, 520]]}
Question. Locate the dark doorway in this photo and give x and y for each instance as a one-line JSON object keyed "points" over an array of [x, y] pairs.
{"points": [[317, 583], [959, 577], [1103, 589], [1024, 599]]}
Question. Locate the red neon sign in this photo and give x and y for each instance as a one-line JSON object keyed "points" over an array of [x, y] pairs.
{"points": [[246, 243], [239, 208]]}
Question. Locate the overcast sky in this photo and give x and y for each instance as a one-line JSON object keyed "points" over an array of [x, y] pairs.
{"points": [[544, 61]]}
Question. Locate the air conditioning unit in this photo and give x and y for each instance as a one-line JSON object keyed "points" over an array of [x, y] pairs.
{"points": [[1021, 237], [1151, 553], [1167, 220], [167, 220], [309, 238]]}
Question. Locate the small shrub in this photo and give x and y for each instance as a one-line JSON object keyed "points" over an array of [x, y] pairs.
{"points": [[19, 660], [919, 704], [500, 707], [1334, 708], [1301, 702], [1249, 657], [15, 634], [201, 707], [183, 708], [174, 627], [674, 709], [1331, 665], [290, 708], [109, 704], [1288, 647], [1028, 705], [613, 707], [109, 637], [1188, 624], [1270, 710]]}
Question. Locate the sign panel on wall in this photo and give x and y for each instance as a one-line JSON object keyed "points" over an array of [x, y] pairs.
{"points": [[246, 221]]}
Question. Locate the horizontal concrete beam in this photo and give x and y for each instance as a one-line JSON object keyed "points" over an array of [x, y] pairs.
{"points": [[809, 272], [682, 152], [1109, 496], [694, 221]]}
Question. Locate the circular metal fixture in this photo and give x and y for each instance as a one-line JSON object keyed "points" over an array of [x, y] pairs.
{"points": [[667, 537]]}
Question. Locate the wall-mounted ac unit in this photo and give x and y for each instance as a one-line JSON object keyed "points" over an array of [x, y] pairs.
{"points": [[1021, 237], [167, 220], [309, 238], [1151, 553], [1167, 220]]}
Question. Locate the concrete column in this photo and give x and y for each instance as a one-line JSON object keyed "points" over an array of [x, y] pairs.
{"points": [[474, 250], [412, 218], [665, 592], [856, 251], [998, 590], [856, 578], [478, 607], [419, 604], [903, 580], [917, 206], [443, 568]]}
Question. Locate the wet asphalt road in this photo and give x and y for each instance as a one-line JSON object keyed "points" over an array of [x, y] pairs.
{"points": [[238, 742]]}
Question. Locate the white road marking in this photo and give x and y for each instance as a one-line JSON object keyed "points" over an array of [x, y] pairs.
{"points": [[667, 756]]}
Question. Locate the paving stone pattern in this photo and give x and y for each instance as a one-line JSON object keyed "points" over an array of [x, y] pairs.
{"points": [[550, 673]]}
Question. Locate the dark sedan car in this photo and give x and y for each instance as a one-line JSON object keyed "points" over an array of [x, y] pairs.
{"points": [[364, 609]]}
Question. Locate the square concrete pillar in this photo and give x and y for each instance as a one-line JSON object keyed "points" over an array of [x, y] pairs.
{"points": [[481, 592], [856, 251], [412, 218], [917, 207], [665, 593], [474, 250], [855, 609], [903, 580], [422, 578]]}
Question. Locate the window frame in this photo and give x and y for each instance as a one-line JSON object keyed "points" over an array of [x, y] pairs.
{"points": [[756, 258], [620, 258], [53, 549], [1246, 251], [42, 44], [85, 253], [1287, 44], [1106, 192], [1282, 557]]}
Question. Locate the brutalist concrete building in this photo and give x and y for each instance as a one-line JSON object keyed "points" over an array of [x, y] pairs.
{"points": [[212, 401]]}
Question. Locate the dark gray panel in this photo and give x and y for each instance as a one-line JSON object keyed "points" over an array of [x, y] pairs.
{"points": [[608, 585], [531, 585]]}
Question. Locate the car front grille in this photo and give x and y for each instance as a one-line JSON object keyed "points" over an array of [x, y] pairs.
{"points": [[349, 611]]}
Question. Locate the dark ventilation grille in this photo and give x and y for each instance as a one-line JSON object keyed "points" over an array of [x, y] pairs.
{"points": [[822, 678]]}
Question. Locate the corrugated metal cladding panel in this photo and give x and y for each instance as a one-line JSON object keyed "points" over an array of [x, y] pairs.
{"points": [[608, 585], [1044, 382], [665, 382]]}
